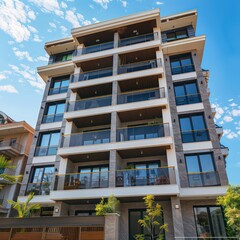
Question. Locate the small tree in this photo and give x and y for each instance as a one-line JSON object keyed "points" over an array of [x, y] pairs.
{"points": [[110, 206], [231, 205], [24, 209], [7, 164], [151, 220]]}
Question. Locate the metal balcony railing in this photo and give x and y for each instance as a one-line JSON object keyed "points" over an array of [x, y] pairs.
{"points": [[52, 118], [143, 132], [203, 179], [9, 143], [86, 180], [182, 69], [38, 188], [139, 66], [90, 103], [137, 39], [195, 135], [188, 99], [46, 151], [144, 177], [53, 91], [86, 138], [142, 95]]}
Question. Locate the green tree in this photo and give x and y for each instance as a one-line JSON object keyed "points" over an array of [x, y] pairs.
{"points": [[7, 164], [110, 206], [231, 205], [24, 209], [152, 220]]}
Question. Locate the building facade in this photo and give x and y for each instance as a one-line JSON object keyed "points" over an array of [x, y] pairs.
{"points": [[15, 143], [126, 112]]}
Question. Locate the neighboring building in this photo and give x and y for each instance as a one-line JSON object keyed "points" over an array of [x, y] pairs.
{"points": [[126, 111], [15, 143]]}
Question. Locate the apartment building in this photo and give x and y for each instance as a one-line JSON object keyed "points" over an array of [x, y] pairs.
{"points": [[15, 143], [126, 112]]}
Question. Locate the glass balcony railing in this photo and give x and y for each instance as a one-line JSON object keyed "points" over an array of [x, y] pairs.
{"points": [[144, 177], [195, 136], [182, 69], [142, 95], [137, 39], [53, 91], [38, 188], [52, 118], [86, 138], [9, 143], [100, 73], [94, 48], [188, 99], [143, 132], [46, 151], [203, 179], [86, 180], [90, 103], [139, 66]]}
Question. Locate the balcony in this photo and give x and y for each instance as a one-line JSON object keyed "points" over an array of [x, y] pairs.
{"points": [[84, 104], [88, 180], [86, 138], [139, 66], [143, 132], [188, 99], [137, 39], [142, 95], [182, 69], [52, 118], [9, 148], [53, 91], [100, 73], [145, 177], [224, 149], [9, 172], [195, 136], [46, 151], [38, 188], [219, 130], [203, 179]]}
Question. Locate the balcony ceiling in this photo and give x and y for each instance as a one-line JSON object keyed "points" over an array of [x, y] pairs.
{"points": [[96, 64], [100, 156], [141, 114]]}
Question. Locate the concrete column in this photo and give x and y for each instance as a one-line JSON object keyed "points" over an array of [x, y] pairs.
{"points": [[157, 34], [80, 49], [116, 39], [112, 168], [177, 218], [111, 229]]}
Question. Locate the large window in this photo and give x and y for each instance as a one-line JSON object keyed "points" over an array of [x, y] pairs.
{"points": [[193, 128], [59, 85], [62, 57], [135, 228], [177, 34], [47, 144], [2, 119], [201, 170], [181, 63], [40, 180], [54, 112], [186, 93], [209, 222]]}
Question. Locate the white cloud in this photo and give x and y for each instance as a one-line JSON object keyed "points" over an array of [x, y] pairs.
{"points": [[36, 38], [103, 3], [236, 112], [86, 22], [2, 76], [159, 3], [228, 133], [22, 54], [31, 15], [14, 14], [32, 29], [228, 119], [64, 5], [124, 3], [72, 18], [63, 29], [8, 88], [219, 110], [53, 25], [42, 58], [233, 105], [230, 100], [95, 20]]}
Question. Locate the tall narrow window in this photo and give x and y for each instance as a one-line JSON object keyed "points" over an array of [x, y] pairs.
{"points": [[59, 85], [186, 93], [54, 112], [181, 63], [193, 128], [209, 222], [47, 144], [201, 170]]}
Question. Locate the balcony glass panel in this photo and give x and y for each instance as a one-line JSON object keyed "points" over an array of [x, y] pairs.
{"points": [[90, 103], [141, 95], [10, 143], [40, 188], [139, 66], [86, 138], [188, 99], [46, 151], [144, 177], [58, 90], [84, 180], [195, 136], [142, 132], [52, 118], [135, 40], [203, 179]]}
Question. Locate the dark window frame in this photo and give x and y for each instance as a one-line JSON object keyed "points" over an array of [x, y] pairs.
{"points": [[53, 115], [61, 55], [90, 212], [174, 31], [61, 80]]}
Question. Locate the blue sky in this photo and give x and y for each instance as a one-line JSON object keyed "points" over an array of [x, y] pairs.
{"points": [[26, 24]]}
